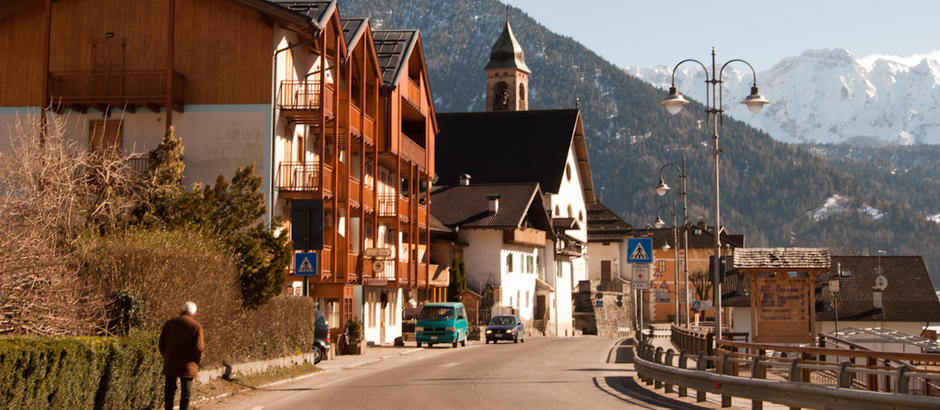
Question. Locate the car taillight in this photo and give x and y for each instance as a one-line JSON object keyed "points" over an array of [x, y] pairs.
{"points": [[327, 336]]}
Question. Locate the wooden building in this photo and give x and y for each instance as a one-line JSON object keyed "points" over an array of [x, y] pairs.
{"points": [[324, 108]]}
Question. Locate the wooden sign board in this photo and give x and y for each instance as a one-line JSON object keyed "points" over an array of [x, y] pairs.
{"points": [[782, 307]]}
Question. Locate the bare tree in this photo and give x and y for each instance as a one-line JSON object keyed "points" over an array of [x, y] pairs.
{"points": [[52, 191]]}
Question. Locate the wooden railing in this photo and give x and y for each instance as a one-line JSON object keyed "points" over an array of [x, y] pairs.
{"points": [[114, 87], [525, 237], [363, 124], [412, 91], [137, 164], [305, 95], [302, 176], [387, 204], [412, 151]]}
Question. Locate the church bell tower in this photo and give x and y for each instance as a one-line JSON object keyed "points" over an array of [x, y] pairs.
{"points": [[507, 75]]}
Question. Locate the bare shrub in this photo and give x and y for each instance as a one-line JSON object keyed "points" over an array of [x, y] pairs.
{"points": [[51, 190]]}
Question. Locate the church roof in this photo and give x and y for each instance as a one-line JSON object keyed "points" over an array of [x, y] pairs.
{"points": [[506, 146], [506, 52]]}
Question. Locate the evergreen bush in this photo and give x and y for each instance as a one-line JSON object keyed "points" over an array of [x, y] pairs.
{"points": [[80, 372]]}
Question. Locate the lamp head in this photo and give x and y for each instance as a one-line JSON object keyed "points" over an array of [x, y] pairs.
{"points": [[755, 102], [662, 188], [674, 101], [666, 246], [659, 223]]}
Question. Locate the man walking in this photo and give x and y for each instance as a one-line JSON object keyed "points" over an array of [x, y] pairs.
{"points": [[182, 346]]}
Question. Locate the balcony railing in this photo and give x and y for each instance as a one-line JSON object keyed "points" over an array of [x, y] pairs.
{"points": [[305, 95], [137, 164], [387, 204], [134, 87], [412, 151], [524, 237], [364, 125], [299, 176], [413, 91]]}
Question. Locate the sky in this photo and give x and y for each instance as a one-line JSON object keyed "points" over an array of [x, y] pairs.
{"points": [[663, 32]]}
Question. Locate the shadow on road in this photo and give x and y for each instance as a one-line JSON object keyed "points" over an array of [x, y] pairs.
{"points": [[624, 352], [629, 387]]}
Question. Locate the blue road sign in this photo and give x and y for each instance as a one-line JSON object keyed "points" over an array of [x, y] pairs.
{"points": [[305, 264], [640, 250], [696, 305]]}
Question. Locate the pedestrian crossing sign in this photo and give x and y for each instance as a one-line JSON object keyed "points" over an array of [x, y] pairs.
{"points": [[640, 250], [305, 264]]}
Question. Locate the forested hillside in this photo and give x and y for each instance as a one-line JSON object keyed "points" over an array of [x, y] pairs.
{"points": [[770, 191]]}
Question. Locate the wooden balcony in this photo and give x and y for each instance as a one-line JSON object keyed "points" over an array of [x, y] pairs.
{"points": [[80, 90], [368, 196], [413, 152], [352, 266], [412, 91], [354, 191], [300, 100], [304, 177], [326, 262], [361, 125], [525, 237], [387, 204]]}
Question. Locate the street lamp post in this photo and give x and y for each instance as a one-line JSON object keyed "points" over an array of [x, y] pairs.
{"points": [[714, 111], [659, 223], [661, 190]]}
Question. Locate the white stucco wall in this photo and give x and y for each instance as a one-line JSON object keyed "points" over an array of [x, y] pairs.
{"points": [[565, 308], [611, 252], [371, 304], [518, 285], [570, 194], [481, 257]]}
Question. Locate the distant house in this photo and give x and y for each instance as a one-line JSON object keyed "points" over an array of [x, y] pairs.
{"points": [[506, 239], [908, 302], [660, 298]]}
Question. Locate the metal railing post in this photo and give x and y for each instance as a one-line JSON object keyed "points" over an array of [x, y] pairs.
{"points": [[683, 358], [700, 365], [757, 372], [668, 362], [726, 369], [658, 359], [845, 376], [903, 380]]}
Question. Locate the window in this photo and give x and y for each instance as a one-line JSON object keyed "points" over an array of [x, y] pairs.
{"points": [[570, 212], [500, 96], [557, 211], [568, 171], [509, 263], [528, 264], [581, 216], [526, 298], [521, 92], [662, 266]]}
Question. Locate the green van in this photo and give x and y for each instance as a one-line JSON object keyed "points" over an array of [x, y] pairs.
{"points": [[442, 323]]}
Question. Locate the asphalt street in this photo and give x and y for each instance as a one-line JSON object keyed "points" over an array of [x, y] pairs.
{"points": [[543, 373]]}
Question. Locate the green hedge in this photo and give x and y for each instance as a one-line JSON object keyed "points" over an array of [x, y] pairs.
{"points": [[80, 372]]}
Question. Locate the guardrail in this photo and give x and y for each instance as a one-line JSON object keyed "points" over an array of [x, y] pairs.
{"points": [[778, 380]]}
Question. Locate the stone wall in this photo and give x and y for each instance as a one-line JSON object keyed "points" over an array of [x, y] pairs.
{"points": [[609, 317]]}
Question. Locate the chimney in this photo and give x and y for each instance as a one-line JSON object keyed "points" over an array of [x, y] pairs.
{"points": [[464, 180], [493, 203]]}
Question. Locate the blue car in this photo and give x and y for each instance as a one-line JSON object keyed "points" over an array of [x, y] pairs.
{"points": [[505, 328]]}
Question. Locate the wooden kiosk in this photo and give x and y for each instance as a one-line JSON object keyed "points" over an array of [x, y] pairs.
{"points": [[780, 284]]}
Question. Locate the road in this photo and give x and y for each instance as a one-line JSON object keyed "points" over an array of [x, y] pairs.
{"points": [[543, 373]]}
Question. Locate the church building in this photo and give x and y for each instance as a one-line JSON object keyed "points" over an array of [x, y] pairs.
{"points": [[510, 144]]}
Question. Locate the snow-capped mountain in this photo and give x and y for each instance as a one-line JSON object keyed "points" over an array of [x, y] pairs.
{"points": [[829, 96]]}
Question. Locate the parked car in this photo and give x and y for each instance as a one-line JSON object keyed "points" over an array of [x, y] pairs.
{"points": [[505, 328], [442, 323], [321, 336]]}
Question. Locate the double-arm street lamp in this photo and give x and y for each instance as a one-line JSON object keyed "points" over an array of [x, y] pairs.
{"points": [[659, 223], [714, 111], [661, 190]]}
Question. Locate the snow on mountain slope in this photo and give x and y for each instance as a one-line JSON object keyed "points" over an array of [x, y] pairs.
{"points": [[829, 96]]}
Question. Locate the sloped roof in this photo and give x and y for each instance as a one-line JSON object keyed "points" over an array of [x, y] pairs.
{"points": [[393, 48], [352, 30], [604, 225], [467, 206], [506, 52], [505, 146], [909, 296], [318, 11], [782, 258]]}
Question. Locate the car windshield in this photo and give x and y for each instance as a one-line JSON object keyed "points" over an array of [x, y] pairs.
{"points": [[437, 313], [503, 320]]}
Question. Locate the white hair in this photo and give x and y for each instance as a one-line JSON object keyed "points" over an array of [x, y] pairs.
{"points": [[189, 307]]}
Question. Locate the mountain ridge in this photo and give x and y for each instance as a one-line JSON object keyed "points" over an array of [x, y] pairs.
{"points": [[769, 189]]}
